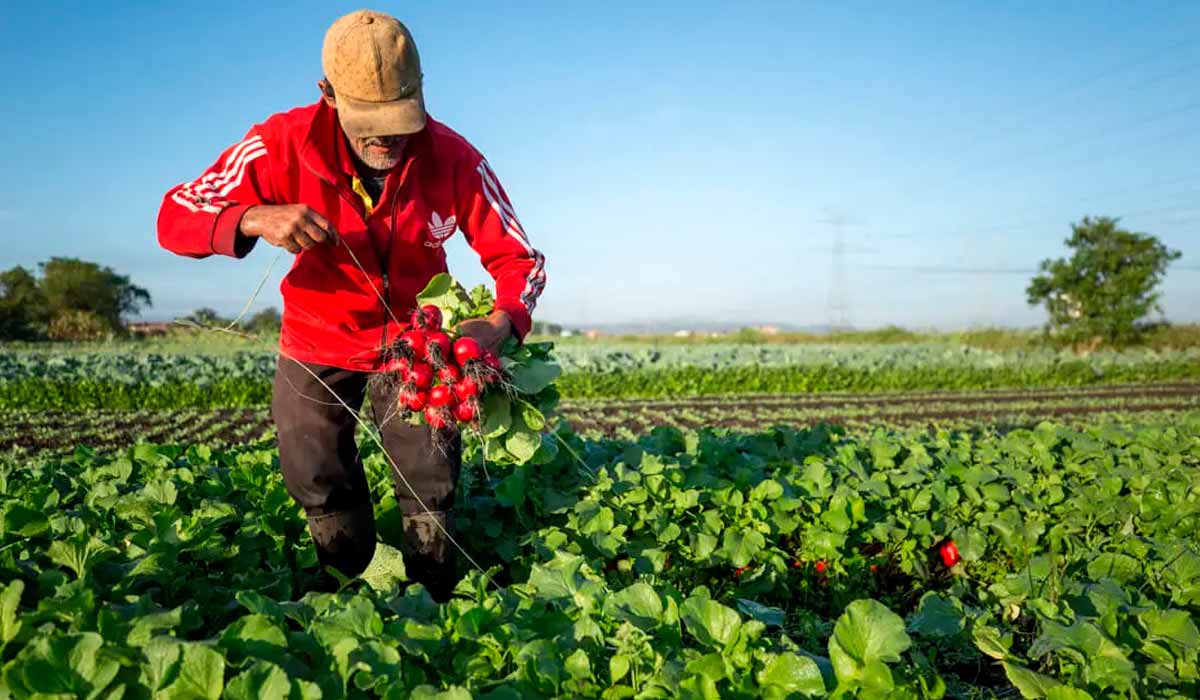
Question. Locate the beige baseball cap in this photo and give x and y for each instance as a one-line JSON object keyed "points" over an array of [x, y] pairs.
{"points": [[371, 61]]}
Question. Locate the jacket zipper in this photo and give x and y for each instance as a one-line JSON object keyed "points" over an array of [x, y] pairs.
{"points": [[383, 263], [387, 258]]}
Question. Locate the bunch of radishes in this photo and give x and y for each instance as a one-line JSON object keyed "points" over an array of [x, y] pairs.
{"points": [[439, 378]]}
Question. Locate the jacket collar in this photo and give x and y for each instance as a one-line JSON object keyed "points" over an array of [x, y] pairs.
{"points": [[327, 154]]}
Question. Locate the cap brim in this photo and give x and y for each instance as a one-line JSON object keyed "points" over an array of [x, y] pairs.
{"points": [[362, 119]]}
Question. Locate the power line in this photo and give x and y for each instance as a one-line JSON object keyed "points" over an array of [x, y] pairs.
{"points": [[1031, 223], [1117, 128], [991, 271], [952, 270], [1076, 87], [991, 167]]}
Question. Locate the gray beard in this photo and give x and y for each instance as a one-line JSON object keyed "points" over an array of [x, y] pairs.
{"points": [[380, 162]]}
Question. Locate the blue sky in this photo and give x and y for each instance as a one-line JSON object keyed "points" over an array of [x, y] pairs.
{"points": [[673, 160]]}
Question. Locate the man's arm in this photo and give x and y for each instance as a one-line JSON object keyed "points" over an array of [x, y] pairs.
{"points": [[228, 208], [201, 217], [487, 219]]}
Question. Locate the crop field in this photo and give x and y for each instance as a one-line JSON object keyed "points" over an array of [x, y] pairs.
{"points": [[705, 522], [35, 380], [59, 432]]}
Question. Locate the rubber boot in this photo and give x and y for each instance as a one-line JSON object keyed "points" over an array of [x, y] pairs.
{"points": [[345, 540], [429, 556]]}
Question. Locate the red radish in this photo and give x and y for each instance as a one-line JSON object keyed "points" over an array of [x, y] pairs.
{"points": [[874, 568], [741, 570], [449, 374], [465, 412], [437, 347], [466, 349], [440, 396], [415, 340], [416, 401], [466, 388], [420, 374], [490, 359], [796, 564], [433, 316], [949, 552], [395, 365], [820, 566], [436, 418], [428, 318]]}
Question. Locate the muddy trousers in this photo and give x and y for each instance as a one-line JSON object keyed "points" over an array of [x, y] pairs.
{"points": [[324, 474]]}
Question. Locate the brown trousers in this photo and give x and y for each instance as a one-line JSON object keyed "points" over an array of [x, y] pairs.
{"points": [[322, 469]]}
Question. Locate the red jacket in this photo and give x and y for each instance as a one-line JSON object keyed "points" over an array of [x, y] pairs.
{"points": [[331, 314]]}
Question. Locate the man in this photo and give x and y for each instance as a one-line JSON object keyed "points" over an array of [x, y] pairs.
{"points": [[363, 177]]}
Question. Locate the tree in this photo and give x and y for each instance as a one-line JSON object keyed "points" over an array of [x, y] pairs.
{"points": [[24, 311], [544, 328], [206, 317], [1107, 286], [266, 321], [77, 285], [79, 326]]}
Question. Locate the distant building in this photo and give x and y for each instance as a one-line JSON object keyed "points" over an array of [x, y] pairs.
{"points": [[767, 330], [150, 327], [683, 334]]}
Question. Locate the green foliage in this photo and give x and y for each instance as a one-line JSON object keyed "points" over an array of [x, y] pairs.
{"points": [[73, 300], [74, 325], [514, 417], [611, 572], [544, 328], [1108, 285], [207, 316], [268, 320], [24, 310], [63, 380], [456, 303], [76, 285], [695, 381]]}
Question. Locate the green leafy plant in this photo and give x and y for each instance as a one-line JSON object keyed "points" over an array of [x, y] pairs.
{"points": [[1108, 285]]}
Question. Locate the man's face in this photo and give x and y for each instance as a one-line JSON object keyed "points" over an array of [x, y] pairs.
{"points": [[379, 152], [376, 152]]}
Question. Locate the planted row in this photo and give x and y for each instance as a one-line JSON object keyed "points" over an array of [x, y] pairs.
{"points": [[781, 564], [217, 390]]}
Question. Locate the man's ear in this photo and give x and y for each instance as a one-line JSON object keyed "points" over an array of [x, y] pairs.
{"points": [[327, 92]]}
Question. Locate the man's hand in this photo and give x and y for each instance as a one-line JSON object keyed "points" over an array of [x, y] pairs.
{"points": [[490, 332], [294, 227]]}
